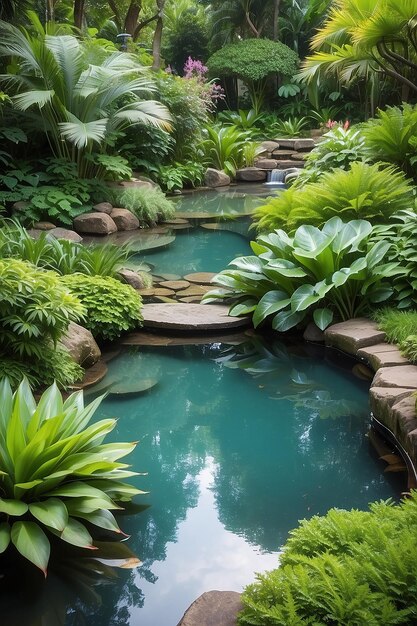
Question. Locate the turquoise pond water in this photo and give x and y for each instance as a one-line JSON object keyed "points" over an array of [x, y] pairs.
{"points": [[239, 442]]}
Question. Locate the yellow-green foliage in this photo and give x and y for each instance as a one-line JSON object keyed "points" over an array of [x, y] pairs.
{"points": [[111, 306], [348, 568], [363, 192]]}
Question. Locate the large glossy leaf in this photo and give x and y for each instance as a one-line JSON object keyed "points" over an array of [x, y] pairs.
{"points": [[323, 318], [248, 264], [270, 303], [286, 268], [51, 512], [285, 320], [13, 507], [309, 241], [243, 308], [32, 543], [76, 534], [103, 519], [304, 297], [377, 253]]}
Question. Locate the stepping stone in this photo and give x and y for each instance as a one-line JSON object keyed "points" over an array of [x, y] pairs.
{"points": [[171, 276], [175, 284], [189, 299], [296, 144], [203, 278], [190, 317], [155, 291], [382, 355], [354, 334], [130, 388], [194, 290], [176, 220], [214, 608], [404, 376], [143, 338], [165, 299]]}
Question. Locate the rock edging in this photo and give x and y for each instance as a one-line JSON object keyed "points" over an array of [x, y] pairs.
{"points": [[393, 389]]}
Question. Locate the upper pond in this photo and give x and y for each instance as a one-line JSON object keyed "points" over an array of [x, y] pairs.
{"points": [[239, 442]]}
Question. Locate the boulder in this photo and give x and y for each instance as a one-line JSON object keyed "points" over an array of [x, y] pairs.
{"points": [[313, 333], [251, 174], [81, 345], [132, 278], [266, 164], [64, 233], [216, 178], [103, 207], [213, 608], [124, 219], [95, 223]]}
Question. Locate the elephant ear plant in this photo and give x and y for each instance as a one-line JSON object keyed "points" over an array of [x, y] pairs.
{"points": [[56, 474], [324, 272]]}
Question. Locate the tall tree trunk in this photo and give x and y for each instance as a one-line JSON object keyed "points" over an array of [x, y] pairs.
{"points": [[132, 16], [157, 37], [275, 34], [79, 9]]}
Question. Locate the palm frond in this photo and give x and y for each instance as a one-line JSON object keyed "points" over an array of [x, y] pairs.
{"points": [[80, 133]]}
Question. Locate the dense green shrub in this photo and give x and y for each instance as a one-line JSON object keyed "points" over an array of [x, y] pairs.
{"points": [[340, 147], [400, 327], [401, 233], [35, 310], [323, 273], [188, 38], [363, 192], [392, 137], [149, 205], [347, 568], [56, 473], [110, 306], [224, 148]]}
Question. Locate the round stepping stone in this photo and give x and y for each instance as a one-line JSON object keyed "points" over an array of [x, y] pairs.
{"points": [[132, 388], [211, 226], [176, 220], [203, 278], [190, 317], [161, 291], [171, 276], [175, 284], [194, 290]]}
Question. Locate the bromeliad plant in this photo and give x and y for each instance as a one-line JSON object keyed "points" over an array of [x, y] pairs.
{"points": [[56, 474], [325, 273], [223, 147]]}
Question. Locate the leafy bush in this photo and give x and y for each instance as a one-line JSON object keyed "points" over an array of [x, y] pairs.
{"points": [[292, 276], [180, 175], [364, 192], [61, 255], [345, 568], [149, 205], [110, 306], [57, 475], [224, 148], [339, 149], [35, 310], [402, 234], [392, 137]]}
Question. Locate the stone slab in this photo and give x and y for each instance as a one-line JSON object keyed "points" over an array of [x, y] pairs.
{"points": [[202, 278], [190, 317], [381, 401], [266, 164], [213, 608], [251, 174], [352, 335], [175, 284], [284, 165], [143, 338], [404, 376], [382, 355], [92, 376], [404, 415], [296, 144]]}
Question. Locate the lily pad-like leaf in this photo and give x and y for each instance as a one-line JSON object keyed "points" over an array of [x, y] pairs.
{"points": [[32, 543]]}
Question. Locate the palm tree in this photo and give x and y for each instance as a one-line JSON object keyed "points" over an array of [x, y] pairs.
{"points": [[80, 106], [367, 38]]}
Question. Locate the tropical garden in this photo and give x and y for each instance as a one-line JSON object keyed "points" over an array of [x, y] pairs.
{"points": [[95, 94]]}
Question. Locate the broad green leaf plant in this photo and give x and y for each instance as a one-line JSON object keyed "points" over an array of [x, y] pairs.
{"points": [[324, 273], [80, 106], [56, 474]]}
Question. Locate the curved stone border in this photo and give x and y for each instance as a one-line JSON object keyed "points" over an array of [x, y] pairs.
{"points": [[393, 389]]}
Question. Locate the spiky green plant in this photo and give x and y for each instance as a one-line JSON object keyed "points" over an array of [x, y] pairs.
{"points": [[56, 473], [363, 192]]}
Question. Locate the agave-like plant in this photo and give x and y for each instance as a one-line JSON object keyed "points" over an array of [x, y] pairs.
{"points": [[80, 105], [56, 473]]}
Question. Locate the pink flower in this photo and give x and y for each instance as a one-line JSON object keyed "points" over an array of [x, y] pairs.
{"points": [[194, 68], [331, 123], [346, 125]]}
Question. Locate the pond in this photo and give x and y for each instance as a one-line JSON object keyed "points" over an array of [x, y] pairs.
{"points": [[240, 439]]}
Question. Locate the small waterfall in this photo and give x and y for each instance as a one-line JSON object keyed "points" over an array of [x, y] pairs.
{"points": [[276, 178]]}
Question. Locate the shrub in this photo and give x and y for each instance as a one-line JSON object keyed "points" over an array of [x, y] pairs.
{"points": [[345, 568], [224, 147], [110, 306], [56, 365], [323, 272], [363, 192], [400, 327], [392, 137], [180, 175], [57, 475], [149, 205]]}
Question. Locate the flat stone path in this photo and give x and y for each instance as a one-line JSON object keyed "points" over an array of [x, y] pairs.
{"points": [[191, 317]]}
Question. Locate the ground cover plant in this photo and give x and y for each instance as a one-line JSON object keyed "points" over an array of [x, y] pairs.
{"points": [[324, 274], [345, 568], [364, 191], [35, 311], [110, 307], [58, 478], [400, 327]]}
